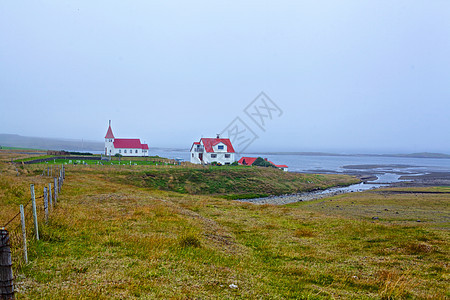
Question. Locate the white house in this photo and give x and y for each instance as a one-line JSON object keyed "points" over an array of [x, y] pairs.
{"points": [[209, 150], [124, 147]]}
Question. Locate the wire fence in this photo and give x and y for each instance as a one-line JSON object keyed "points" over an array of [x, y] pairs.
{"points": [[23, 227]]}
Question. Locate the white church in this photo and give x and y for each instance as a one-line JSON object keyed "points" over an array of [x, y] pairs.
{"points": [[124, 147]]}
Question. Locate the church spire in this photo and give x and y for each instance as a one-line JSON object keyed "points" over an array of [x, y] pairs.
{"points": [[109, 133]]}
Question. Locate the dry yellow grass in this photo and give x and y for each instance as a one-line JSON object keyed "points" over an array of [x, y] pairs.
{"points": [[109, 239]]}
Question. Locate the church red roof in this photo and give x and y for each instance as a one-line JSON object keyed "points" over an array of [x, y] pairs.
{"points": [[109, 133], [129, 143], [209, 143]]}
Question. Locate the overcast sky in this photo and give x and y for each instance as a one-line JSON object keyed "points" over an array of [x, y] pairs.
{"points": [[347, 76]]}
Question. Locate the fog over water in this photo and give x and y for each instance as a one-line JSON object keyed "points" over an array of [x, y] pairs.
{"points": [[312, 163]]}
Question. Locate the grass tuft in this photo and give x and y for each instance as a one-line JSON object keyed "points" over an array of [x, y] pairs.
{"points": [[301, 233], [418, 248], [189, 240], [394, 285]]}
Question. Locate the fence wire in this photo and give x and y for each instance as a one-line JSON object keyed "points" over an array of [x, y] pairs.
{"points": [[14, 227]]}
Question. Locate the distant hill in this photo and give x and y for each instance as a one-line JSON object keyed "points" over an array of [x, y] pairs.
{"points": [[422, 155], [414, 155], [15, 140]]}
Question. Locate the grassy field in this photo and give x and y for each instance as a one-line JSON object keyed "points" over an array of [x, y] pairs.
{"points": [[122, 162], [151, 160], [115, 234], [18, 148], [231, 182]]}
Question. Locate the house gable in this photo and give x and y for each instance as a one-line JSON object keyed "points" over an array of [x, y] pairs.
{"points": [[209, 144], [220, 147]]}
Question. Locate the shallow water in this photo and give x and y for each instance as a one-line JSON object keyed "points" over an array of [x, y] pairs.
{"points": [[309, 196], [382, 181], [388, 178]]}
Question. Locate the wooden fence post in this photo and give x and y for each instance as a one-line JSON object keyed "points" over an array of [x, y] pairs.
{"points": [[55, 189], [51, 171], [6, 273], [50, 195], [24, 234], [33, 205], [46, 204]]}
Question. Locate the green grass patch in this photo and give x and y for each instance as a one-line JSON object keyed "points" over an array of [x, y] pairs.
{"points": [[232, 182]]}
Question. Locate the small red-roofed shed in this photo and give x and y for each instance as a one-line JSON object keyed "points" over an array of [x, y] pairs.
{"points": [[247, 161]]}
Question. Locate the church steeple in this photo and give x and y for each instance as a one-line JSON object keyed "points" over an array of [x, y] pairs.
{"points": [[109, 133]]}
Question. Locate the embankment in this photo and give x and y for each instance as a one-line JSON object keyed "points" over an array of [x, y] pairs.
{"points": [[231, 182]]}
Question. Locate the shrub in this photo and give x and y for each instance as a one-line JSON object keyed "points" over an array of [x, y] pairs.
{"points": [[79, 153], [261, 162]]}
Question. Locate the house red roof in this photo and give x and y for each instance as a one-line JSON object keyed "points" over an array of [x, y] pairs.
{"points": [[144, 146], [281, 166], [209, 143], [278, 166], [109, 134], [248, 161], [129, 143]]}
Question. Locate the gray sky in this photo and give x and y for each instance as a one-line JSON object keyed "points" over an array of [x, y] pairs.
{"points": [[349, 76]]}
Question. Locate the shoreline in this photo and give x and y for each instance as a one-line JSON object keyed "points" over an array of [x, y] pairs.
{"points": [[368, 182]]}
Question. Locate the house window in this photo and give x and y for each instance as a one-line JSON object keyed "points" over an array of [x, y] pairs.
{"points": [[213, 155], [124, 151], [227, 155], [120, 151], [192, 154], [220, 147], [136, 151]]}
